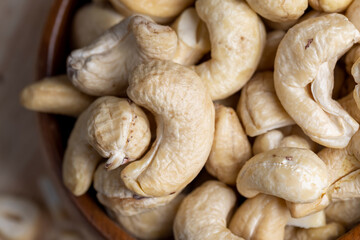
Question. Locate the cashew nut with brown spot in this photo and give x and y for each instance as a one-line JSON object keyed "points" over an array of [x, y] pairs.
{"points": [[328, 232], [90, 21], [161, 11], [230, 149], [235, 48], [330, 6], [278, 10], [204, 212], [303, 77], [261, 217], [55, 95], [353, 13], [103, 68], [294, 174], [110, 127], [259, 108], [184, 115], [193, 38]]}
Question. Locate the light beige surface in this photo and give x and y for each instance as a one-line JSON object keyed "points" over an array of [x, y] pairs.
{"points": [[22, 158]]}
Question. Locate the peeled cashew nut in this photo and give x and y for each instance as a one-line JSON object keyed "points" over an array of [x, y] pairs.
{"points": [[268, 56], [113, 194], [346, 212], [185, 119], [352, 13], [314, 220], [154, 224], [259, 107], [90, 21], [19, 218], [330, 6], [278, 10], [267, 141], [193, 38], [103, 68], [328, 232], [300, 210], [204, 212], [235, 48], [349, 104], [110, 127], [294, 174], [304, 59], [261, 217], [230, 149], [347, 187], [55, 95], [161, 11], [351, 56]]}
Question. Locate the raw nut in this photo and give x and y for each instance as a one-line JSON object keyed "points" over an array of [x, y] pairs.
{"points": [[294, 174], [230, 149], [330, 6], [314, 220], [300, 210], [302, 60], [184, 114], [203, 213]]}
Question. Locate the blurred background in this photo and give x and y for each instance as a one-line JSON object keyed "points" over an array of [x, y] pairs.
{"points": [[24, 171]]}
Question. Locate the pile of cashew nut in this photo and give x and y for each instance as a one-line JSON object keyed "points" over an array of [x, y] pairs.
{"points": [[184, 108]]}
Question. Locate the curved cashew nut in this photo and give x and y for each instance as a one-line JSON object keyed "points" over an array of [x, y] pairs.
{"points": [[279, 11], [330, 6], [352, 13], [103, 68], [313, 62], [90, 21], [261, 217], [346, 212], [55, 95], [113, 194], [161, 11], [294, 174], [235, 48], [329, 231], [259, 107], [184, 115], [193, 38], [19, 218], [314, 220], [154, 224], [268, 56], [230, 149], [347, 187], [107, 128], [204, 212]]}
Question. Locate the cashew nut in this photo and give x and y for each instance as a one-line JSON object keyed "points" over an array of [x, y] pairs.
{"points": [[328, 232], [19, 218], [259, 107], [355, 71], [230, 148], [314, 220], [193, 38], [107, 128], [154, 224], [161, 11], [235, 48], [261, 217], [351, 56], [113, 194], [346, 212], [352, 13], [55, 95], [204, 212], [347, 187], [184, 115], [349, 104], [330, 5], [294, 174], [300, 210], [268, 56], [311, 62], [90, 21], [103, 68], [279, 11]]}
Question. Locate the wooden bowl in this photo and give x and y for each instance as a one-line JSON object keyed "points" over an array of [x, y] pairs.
{"points": [[55, 129]]}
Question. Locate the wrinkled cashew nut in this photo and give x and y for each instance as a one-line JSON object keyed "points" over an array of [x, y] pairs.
{"points": [[110, 127], [103, 68], [294, 174], [235, 48], [302, 60], [185, 119]]}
